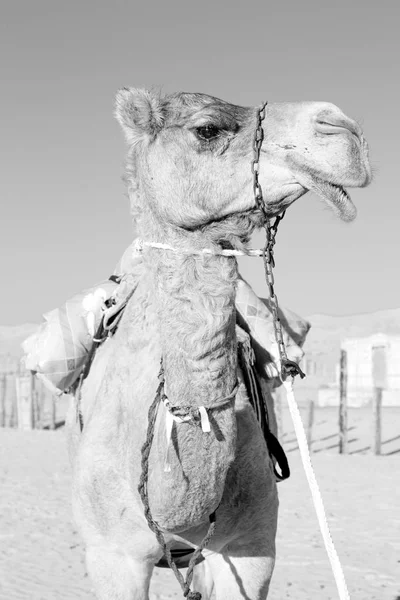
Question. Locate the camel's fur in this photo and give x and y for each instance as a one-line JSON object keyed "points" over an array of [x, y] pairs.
{"points": [[192, 193]]}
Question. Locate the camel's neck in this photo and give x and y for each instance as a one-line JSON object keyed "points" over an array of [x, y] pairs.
{"points": [[195, 299]]}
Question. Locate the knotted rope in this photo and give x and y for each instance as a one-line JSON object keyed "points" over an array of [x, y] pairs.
{"points": [[143, 491]]}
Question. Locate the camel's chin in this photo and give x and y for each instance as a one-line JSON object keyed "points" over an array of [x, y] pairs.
{"points": [[276, 206], [336, 197]]}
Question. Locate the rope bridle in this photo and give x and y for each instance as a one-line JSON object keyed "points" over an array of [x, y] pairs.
{"points": [[139, 244], [143, 491], [288, 368]]}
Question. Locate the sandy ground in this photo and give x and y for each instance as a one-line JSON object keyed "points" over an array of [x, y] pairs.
{"points": [[41, 555]]}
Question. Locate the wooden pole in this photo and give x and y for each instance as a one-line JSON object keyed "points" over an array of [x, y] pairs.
{"points": [[35, 402], [53, 412], [24, 401], [3, 400], [12, 419], [42, 404], [310, 423], [10, 393], [343, 403], [39, 404], [379, 380], [377, 414]]}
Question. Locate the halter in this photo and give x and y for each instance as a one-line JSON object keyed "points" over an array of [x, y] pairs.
{"points": [[184, 414], [288, 368]]}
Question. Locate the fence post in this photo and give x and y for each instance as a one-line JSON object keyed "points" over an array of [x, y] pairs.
{"points": [[13, 417], [343, 403], [3, 400], [53, 412], [377, 415], [310, 423], [379, 376], [24, 401], [39, 404], [35, 401]]}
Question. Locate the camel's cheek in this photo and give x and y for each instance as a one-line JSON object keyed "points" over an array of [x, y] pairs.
{"points": [[202, 187]]}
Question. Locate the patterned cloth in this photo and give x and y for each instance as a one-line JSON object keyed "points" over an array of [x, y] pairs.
{"points": [[255, 316], [58, 350]]}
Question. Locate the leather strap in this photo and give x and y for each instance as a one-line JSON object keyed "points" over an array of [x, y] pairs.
{"points": [[258, 404]]}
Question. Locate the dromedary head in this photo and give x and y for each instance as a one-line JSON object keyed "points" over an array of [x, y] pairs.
{"points": [[190, 156]]}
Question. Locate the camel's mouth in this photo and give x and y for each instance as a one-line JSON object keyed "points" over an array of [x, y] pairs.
{"points": [[335, 196]]}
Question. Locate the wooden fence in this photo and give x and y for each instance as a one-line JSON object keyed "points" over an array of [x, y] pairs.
{"points": [[379, 383], [335, 430], [25, 403]]}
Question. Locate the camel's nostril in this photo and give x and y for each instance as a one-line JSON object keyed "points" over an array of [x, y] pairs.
{"points": [[331, 124]]}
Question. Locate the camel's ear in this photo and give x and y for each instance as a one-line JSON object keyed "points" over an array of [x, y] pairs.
{"points": [[139, 113]]}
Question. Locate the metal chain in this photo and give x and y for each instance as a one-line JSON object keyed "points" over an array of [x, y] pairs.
{"points": [[288, 367]]}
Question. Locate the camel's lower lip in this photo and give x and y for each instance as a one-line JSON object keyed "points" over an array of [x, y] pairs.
{"points": [[336, 197]]}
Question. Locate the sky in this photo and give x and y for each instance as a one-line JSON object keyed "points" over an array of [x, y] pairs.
{"points": [[65, 216]]}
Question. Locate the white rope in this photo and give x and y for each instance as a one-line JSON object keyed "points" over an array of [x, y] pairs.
{"points": [[315, 492], [191, 414], [170, 419], [139, 244]]}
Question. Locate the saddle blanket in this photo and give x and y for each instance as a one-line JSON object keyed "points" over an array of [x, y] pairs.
{"points": [[57, 352]]}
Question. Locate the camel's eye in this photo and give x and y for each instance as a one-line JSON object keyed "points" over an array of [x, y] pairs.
{"points": [[207, 132]]}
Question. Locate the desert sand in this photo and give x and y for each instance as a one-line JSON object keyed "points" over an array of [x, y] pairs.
{"points": [[42, 556]]}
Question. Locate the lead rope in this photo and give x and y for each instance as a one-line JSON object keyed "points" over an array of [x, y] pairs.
{"points": [[315, 492], [290, 369]]}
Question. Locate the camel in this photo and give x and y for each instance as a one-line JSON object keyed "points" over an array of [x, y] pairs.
{"points": [[191, 187]]}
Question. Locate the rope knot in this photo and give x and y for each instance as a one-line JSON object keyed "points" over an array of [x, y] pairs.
{"points": [[291, 369], [194, 596]]}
